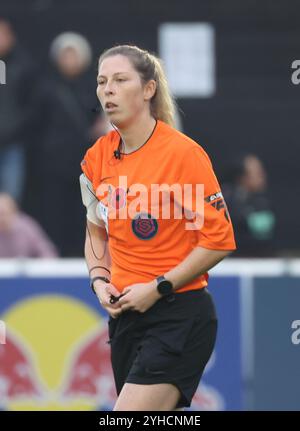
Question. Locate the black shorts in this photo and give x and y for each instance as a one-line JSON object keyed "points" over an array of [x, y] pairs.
{"points": [[170, 343]]}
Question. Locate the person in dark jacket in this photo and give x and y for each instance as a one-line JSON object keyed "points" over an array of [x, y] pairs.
{"points": [[63, 126], [246, 193], [16, 104]]}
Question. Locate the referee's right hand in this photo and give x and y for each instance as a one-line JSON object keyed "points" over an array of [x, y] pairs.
{"points": [[104, 292]]}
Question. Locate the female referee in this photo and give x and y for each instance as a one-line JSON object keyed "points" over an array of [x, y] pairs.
{"points": [[148, 254]]}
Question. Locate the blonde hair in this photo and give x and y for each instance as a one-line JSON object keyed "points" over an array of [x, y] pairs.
{"points": [[162, 104]]}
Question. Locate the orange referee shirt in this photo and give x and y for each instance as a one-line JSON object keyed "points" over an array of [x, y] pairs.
{"points": [[150, 234]]}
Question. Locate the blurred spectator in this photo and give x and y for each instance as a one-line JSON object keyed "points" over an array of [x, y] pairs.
{"points": [[15, 110], [63, 132], [245, 190], [20, 235]]}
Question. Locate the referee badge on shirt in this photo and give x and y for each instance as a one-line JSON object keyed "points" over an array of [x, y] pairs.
{"points": [[102, 213]]}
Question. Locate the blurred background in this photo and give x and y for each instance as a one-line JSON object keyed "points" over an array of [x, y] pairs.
{"points": [[229, 65]]}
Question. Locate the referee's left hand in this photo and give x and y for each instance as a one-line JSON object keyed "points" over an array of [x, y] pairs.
{"points": [[139, 296]]}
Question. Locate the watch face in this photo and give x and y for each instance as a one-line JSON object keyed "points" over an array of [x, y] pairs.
{"points": [[165, 287]]}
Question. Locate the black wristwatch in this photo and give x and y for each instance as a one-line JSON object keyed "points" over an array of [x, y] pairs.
{"points": [[164, 287], [98, 278]]}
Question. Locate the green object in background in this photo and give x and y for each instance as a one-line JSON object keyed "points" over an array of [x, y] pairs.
{"points": [[261, 224]]}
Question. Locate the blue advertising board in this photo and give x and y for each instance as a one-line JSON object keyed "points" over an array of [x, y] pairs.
{"points": [[56, 355]]}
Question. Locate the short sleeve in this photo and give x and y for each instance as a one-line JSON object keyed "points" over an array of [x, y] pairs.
{"points": [[206, 201], [90, 160]]}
